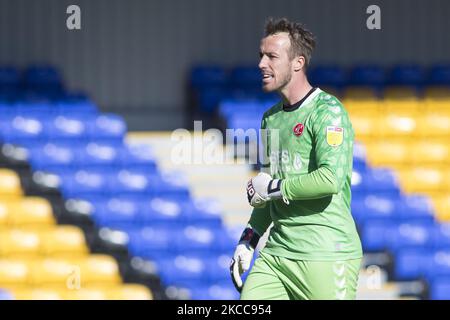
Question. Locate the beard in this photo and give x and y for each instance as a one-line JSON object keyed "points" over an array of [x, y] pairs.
{"points": [[285, 78]]}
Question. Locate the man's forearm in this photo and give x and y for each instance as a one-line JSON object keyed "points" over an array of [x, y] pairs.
{"points": [[317, 184]]}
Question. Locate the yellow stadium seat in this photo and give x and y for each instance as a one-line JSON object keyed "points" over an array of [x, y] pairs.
{"points": [[36, 294], [360, 93], [366, 127], [19, 243], [55, 272], [84, 294], [437, 105], [437, 92], [398, 125], [429, 152], [405, 107], [434, 125], [362, 107], [13, 273], [442, 207], [422, 179], [387, 153], [399, 92], [63, 240], [4, 213], [31, 211], [98, 269], [129, 292], [9, 184]]}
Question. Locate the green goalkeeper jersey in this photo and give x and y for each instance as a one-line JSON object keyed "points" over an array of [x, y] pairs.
{"points": [[310, 147]]}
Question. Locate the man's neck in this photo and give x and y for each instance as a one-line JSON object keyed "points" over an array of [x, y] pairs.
{"points": [[295, 91]]}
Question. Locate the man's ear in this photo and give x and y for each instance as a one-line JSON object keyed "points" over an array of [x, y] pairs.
{"points": [[299, 63]]}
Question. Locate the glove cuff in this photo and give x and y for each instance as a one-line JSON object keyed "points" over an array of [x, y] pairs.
{"points": [[274, 189], [250, 236]]}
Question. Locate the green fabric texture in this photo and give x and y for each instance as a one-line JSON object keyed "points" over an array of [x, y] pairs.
{"points": [[315, 163]]}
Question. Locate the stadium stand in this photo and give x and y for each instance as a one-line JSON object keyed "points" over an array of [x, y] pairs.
{"points": [[86, 216]]}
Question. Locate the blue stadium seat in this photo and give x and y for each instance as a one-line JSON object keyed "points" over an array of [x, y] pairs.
{"points": [[22, 127], [68, 127], [330, 76], [182, 268], [154, 243], [416, 206], [209, 98], [443, 235], [74, 107], [139, 156], [43, 78], [116, 211], [367, 75], [215, 291], [416, 233], [85, 182], [440, 288], [101, 153], [407, 74], [207, 76], [377, 234], [246, 77], [372, 205], [133, 181], [203, 211], [439, 75], [160, 210], [50, 155], [439, 264], [9, 78], [411, 264], [382, 180], [108, 126]]}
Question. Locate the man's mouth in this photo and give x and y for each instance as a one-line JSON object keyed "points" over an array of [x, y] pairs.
{"points": [[267, 77]]}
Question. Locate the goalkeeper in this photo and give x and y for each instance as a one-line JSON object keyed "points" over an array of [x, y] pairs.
{"points": [[313, 250]]}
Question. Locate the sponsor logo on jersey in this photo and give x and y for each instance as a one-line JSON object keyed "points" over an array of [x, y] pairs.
{"points": [[335, 136], [298, 129]]}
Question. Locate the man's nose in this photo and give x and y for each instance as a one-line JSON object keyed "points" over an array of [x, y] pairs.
{"points": [[262, 63]]}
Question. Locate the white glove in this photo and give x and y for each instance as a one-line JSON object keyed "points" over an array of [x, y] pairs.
{"points": [[263, 188], [243, 256]]}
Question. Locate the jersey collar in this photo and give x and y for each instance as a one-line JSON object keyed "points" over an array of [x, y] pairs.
{"points": [[305, 99]]}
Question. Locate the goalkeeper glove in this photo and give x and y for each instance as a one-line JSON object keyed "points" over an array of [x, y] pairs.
{"points": [[243, 256], [263, 188]]}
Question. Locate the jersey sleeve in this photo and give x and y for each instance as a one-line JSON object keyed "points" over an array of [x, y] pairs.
{"points": [[332, 138]]}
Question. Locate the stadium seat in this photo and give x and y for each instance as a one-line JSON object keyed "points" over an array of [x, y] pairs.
{"points": [[398, 125], [84, 294], [207, 76], [422, 179], [98, 269], [439, 75], [415, 206], [371, 206], [37, 294], [366, 127], [442, 206], [410, 264], [440, 288], [434, 125], [367, 75], [328, 75], [362, 107], [377, 235], [10, 186], [31, 211], [428, 153], [54, 272], [63, 240], [400, 93], [19, 243], [360, 93], [13, 273], [413, 233], [406, 74], [389, 153], [437, 93], [129, 292]]}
